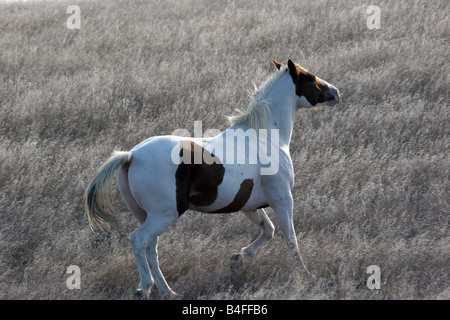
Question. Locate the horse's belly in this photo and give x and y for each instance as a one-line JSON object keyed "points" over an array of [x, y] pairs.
{"points": [[233, 195]]}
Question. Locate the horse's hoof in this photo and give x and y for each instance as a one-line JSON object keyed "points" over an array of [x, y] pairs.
{"points": [[236, 261], [140, 294], [170, 295]]}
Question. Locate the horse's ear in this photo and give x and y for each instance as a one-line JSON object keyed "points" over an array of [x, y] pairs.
{"points": [[291, 65], [277, 64], [292, 69]]}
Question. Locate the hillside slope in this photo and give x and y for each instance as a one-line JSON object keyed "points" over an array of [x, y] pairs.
{"points": [[372, 173]]}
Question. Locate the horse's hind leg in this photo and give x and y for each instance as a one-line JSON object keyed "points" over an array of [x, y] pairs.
{"points": [[144, 241], [260, 218], [152, 256], [140, 239]]}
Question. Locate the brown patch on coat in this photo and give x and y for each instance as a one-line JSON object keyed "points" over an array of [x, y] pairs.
{"points": [[240, 199], [307, 84], [199, 172]]}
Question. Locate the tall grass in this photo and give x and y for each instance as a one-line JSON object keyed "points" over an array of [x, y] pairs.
{"points": [[372, 173]]}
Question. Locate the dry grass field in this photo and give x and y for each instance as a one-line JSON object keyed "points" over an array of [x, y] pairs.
{"points": [[372, 173]]}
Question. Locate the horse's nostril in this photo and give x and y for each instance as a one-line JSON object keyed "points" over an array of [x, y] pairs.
{"points": [[337, 97], [334, 95]]}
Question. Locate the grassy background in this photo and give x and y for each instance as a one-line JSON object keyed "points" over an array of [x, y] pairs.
{"points": [[372, 173]]}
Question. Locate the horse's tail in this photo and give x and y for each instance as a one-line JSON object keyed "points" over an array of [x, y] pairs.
{"points": [[98, 199]]}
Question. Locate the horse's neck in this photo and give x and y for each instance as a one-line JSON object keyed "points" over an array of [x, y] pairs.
{"points": [[282, 105]]}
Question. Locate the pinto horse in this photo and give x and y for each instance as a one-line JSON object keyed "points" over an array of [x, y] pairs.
{"points": [[163, 176]]}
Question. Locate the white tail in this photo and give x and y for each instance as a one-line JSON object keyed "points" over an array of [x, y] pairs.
{"points": [[98, 199]]}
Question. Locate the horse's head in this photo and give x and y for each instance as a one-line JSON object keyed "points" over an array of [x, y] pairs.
{"points": [[311, 91]]}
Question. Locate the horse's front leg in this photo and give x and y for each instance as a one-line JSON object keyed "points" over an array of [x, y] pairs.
{"points": [[284, 211], [260, 218]]}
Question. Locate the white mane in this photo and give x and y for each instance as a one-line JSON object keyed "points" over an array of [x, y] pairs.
{"points": [[258, 111]]}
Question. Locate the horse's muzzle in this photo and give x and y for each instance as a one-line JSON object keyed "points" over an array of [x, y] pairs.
{"points": [[333, 95]]}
